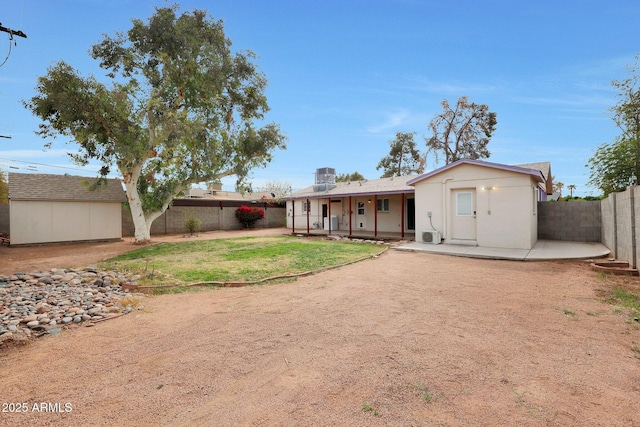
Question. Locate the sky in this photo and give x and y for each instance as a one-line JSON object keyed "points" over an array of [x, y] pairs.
{"points": [[346, 75]]}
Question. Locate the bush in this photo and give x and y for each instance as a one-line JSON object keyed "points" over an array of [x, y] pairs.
{"points": [[192, 224], [248, 216]]}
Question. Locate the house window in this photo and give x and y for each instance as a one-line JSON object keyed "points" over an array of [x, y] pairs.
{"points": [[464, 204], [360, 208], [383, 205], [305, 207]]}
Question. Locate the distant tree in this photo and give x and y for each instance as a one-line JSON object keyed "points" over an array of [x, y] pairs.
{"points": [[180, 109], [462, 132], [347, 177], [403, 158], [571, 187], [615, 166], [4, 187], [277, 188], [558, 186]]}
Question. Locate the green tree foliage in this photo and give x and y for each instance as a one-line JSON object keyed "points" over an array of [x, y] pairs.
{"points": [[615, 166], [461, 132], [179, 109], [403, 158], [4, 187], [347, 177]]}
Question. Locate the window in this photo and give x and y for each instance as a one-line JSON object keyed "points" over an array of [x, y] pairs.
{"points": [[383, 205], [360, 208], [305, 208], [464, 204]]}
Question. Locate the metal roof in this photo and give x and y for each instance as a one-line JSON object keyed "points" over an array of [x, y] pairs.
{"points": [[38, 186]]}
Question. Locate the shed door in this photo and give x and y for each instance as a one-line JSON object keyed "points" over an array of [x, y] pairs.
{"points": [[463, 214]]}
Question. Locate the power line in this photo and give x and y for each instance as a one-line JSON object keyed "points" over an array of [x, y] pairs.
{"points": [[46, 165]]}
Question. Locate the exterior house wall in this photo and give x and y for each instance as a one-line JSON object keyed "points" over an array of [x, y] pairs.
{"points": [[387, 221], [505, 205], [50, 221]]}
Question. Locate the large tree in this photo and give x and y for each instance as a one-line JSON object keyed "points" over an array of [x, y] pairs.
{"points": [[461, 132], [347, 177], [179, 109], [403, 158], [616, 165]]}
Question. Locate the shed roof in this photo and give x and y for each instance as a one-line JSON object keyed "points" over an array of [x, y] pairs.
{"points": [[38, 186], [394, 185], [534, 173]]}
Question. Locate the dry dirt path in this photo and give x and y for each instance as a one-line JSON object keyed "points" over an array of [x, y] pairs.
{"points": [[421, 339]]}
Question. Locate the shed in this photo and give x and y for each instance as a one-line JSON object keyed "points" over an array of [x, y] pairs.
{"points": [[479, 203], [46, 208]]}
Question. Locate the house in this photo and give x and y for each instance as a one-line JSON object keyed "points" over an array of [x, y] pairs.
{"points": [[470, 202], [357, 208], [47, 208], [475, 202]]}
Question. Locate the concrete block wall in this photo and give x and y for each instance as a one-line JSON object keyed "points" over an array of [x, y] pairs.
{"points": [[570, 221], [621, 225], [608, 213], [624, 224], [212, 218]]}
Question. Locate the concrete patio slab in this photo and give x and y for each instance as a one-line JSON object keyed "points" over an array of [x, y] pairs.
{"points": [[543, 250]]}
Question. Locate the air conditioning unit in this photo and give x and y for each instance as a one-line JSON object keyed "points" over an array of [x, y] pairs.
{"points": [[432, 237]]}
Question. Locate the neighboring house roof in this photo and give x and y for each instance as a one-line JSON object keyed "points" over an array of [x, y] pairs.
{"points": [[545, 168], [38, 186], [201, 193], [394, 185], [534, 173]]}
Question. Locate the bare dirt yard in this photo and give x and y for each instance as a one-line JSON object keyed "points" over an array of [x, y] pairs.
{"points": [[405, 339]]}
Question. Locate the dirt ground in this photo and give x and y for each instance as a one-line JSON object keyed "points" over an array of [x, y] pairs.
{"points": [[405, 339]]}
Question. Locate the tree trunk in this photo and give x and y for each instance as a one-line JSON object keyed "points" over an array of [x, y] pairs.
{"points": [[142, 232]]}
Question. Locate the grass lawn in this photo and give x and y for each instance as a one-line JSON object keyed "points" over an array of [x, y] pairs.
{"points": [[230, 260]]}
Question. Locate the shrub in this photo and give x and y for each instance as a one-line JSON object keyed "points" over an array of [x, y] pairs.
{"points": [[248, 216], [192, 224]]}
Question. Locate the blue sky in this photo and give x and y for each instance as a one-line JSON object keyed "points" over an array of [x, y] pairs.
{"points": [[345, 76]]}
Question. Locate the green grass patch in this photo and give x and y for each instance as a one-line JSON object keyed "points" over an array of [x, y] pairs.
{"points": [[622, 297], [242, 259]]}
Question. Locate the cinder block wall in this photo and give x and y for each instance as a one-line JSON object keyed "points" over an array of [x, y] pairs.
{"points": [[4, 218], [608, 234], [570, 221], [212, 218], [624, 243]]}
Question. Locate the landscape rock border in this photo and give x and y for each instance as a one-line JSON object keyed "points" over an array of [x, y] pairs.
{"points": [[41, 303]]}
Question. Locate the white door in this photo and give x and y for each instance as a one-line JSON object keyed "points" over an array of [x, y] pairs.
{"points": [[361, 218], [463, 214]]}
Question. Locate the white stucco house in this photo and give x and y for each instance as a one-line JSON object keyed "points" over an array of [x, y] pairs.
{"points": [[47, 208], [470, 202], [480, 203]]}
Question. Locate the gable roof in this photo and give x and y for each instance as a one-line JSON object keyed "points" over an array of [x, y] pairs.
{"points": [[38, 186], [394, 185], [545, 168], [536, 174]]}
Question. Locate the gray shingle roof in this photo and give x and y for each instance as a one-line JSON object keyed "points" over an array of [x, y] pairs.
{"points": [[364, 187], [62, 188]]}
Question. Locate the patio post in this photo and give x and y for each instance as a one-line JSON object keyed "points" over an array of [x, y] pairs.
{"points": [[375, 215], [402, 220], [308, 209], [293, 216], [350, 217], [329, 216]]}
